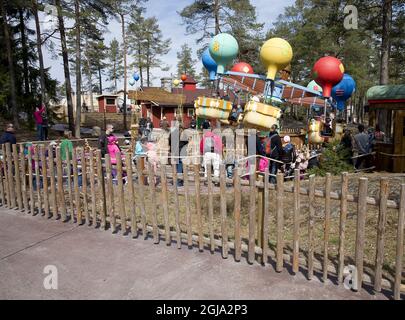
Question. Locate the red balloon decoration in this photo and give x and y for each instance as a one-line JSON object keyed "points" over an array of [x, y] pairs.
{"points": [[183, 77], [242, 67], [328, 72]]}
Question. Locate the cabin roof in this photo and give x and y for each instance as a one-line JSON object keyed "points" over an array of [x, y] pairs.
{"points": [[388, 92]]}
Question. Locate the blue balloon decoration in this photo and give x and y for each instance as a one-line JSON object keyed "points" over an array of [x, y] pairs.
{"points": [[131, 82], [343, 91], [136, 76], [209, 64]]}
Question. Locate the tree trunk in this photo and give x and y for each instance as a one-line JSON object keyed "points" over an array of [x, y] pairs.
{"points": [[115, 76], [100, 79], [24, 52], [89, 76], [385, 43], [124, 41], [140, 63], [78, 72], [216, 17], [39, 49], [10, 60], [65, 57]]}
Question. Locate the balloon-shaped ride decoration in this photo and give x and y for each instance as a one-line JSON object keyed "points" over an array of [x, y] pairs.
{"points": [[314, 86], [328, 71], [131, 82], [135, 76], [183, 77], [176, 82], [343, 91], [223, 49], [209, 64], [242, 67], [275, 54]]}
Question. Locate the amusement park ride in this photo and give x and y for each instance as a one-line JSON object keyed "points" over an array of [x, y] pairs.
{"points": [[265, 95]]}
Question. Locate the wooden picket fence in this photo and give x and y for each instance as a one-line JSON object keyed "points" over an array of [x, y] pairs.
{"points": [[122, 197]]}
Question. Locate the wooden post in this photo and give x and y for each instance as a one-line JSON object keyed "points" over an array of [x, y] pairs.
{"points": [[121, 197], [76, 187], [93, 189], [45, 182], [297, 221], [260, 217], [61, 194], [2, 186], [23, 167], [177, 206], [152, 194], [224, 218], [38, 179], [187, 203], [400, 245], [311, 224], [110, 193], [101, 189], [128, 167], [165, 204], [6, 184], [210, 209], [280, 222], [252, 214], [51, 166], [30, 182], [382, 219], [140, 167], [198, 206], [266, 217], [10, 176], [360, 234], [237, 210], [69, 185], [84, 185], [328, 186], [17, 177], [342, 228]]}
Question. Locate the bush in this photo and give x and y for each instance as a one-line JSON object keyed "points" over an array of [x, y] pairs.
{"points": [[334, 159]]}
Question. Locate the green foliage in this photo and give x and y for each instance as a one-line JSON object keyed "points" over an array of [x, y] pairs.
{"points": [[185, 62], [146, 44], [333, 160], [237, 17]]}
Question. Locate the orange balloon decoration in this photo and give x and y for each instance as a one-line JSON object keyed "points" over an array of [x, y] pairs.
{"points": [[183, 77]]}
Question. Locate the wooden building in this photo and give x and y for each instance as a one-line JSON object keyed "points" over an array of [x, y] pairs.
{"points": [[159, 102], [107, 103], [387, 109]]}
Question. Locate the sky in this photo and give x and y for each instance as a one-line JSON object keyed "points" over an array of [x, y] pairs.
{"points": [[171, 25]]}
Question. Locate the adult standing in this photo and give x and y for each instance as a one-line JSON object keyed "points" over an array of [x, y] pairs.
{"points": [[39, 121], [362, 143], [273, 150], [347, 145], [103, 139]]}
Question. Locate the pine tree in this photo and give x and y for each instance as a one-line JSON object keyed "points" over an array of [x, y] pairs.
{"points": [[237, 17], [186, 63], [115, 68]]}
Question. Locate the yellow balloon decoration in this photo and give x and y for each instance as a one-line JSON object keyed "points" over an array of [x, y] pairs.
{"points": [[176, 82], [275, 54]]}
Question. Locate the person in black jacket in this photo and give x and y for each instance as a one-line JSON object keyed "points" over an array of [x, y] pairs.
{"points": [[103, 139], [273, 150], [8, 135]]}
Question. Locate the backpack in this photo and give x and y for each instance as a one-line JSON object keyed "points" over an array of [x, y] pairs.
{"points": [[267, 146]]}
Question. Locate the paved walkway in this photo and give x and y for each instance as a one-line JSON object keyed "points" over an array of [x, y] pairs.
{"points": [[95, 264]]}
